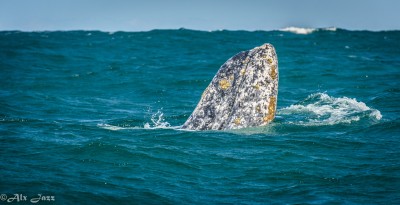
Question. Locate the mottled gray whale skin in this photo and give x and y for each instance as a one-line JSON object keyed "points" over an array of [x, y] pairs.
{"points": [[242, 94]]}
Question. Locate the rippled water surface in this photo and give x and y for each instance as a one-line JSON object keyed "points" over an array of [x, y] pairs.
{"points": [[92, 117]]}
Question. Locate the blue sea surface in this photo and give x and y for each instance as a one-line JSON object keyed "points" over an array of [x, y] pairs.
{"points": [[90, 117]]}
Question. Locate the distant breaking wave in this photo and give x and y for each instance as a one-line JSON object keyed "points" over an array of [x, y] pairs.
{"points": [[298, 30]]}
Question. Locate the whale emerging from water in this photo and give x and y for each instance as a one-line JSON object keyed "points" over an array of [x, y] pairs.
{"points": [[242, 94]]}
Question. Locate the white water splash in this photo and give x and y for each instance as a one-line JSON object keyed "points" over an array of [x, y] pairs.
{"points": [[322, 109], [157, 121]]}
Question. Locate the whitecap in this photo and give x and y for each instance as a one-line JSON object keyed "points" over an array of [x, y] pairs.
{"points": [[329, 29], [298, 30], [305, 31]]}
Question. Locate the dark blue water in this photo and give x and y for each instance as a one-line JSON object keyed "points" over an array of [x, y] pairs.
{"points": [[92, 117]]}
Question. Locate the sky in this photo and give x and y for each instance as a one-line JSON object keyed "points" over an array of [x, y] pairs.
{"points": [[143, 15]]}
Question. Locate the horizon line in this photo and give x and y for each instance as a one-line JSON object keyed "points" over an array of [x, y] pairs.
{"points": [[284, 29]]}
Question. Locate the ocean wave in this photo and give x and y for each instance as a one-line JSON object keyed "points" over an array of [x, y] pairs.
{"points": [[304, 31], [322, 109]]}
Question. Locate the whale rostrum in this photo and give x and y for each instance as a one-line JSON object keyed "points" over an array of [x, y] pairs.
{"points": [[242, 94]]}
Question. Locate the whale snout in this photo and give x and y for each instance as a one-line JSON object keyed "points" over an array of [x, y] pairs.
{"points": [[242, 94]]}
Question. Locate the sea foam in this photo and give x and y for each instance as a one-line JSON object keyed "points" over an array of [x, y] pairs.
{"points": [[322, 109]]}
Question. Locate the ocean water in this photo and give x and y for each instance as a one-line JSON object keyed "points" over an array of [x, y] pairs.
{"points": [[90, 117]]}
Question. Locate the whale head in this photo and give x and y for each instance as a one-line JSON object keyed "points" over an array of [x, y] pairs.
{"points": [[242, 94]]}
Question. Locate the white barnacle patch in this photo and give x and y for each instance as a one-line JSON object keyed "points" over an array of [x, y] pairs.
{"points": [[258, 109]]}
